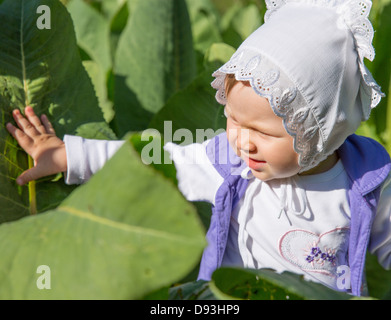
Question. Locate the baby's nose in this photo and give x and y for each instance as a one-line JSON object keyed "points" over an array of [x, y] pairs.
{"points": [[248, 147], [244, 143]]}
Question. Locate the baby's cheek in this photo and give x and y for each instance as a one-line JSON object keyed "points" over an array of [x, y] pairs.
{"points": [[291, 164], [286, 161], [232, 134]]}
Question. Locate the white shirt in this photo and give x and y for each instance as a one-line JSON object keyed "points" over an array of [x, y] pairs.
{"points": [[266, 236], [309, 237], [262, 235]]}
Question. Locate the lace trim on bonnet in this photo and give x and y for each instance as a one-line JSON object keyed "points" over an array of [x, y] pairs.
{"points": [[281, 92], [353, 15]]}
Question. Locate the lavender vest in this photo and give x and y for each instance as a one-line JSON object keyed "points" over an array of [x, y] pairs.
{"points": [[367, 165]]}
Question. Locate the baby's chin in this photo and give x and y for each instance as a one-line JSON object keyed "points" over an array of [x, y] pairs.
{"points": [[262, 175], [268, 175]]}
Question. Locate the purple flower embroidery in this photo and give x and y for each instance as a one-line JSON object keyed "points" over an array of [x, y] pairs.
{"points": [[319, 253], [315, 251], [310, 259], [316, 255]]}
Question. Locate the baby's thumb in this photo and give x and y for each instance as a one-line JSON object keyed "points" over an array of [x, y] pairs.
{"points": [[28, 175]]}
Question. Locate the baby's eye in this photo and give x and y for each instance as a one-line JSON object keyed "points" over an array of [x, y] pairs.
{"points": [[264, 134]]}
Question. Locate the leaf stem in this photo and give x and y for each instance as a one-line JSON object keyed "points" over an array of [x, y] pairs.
{"points": [[32, 191], [26, 93], [31, 185]]}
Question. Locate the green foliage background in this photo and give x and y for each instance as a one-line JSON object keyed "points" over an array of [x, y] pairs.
{"points": [[107, 70]]}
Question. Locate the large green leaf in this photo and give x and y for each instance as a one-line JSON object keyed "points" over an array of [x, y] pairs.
{"points": [[97, 34], [378, 279], [196, 290], [40, 68], [125, 233], [155, 58], [93, 37], [100, 80], [265, 284], [205, 24], [92, 31], [195, 108], [382, 72], [239, 22], [191, 110], [380, 120]]}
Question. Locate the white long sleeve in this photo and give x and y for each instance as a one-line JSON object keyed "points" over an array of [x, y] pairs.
{"points": [[381, 232], [85, 157], [198, 180]]}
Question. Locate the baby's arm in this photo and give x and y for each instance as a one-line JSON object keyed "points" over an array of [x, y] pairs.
{"points": [[78, 158], [197, 178], [85, 157], [381, 231], [38, 138]]}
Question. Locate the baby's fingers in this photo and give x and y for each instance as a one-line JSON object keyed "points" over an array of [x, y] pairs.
{"points": [[25, 125], [29, 175], [34, 120], [47, 124], [24, 140]]}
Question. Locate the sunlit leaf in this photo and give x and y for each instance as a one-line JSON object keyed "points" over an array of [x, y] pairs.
{"points": [[40, 68], [155, 58], [125, 233]]}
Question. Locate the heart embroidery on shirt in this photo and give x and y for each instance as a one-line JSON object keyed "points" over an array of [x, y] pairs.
{"points": [[316, 253]]}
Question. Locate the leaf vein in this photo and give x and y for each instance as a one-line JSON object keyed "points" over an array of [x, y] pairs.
{"points": [[125, 227]]}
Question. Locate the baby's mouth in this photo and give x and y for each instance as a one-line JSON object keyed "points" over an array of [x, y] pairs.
{"points": [[254, 163]]}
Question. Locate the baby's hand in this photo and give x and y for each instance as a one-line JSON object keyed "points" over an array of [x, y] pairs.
{"points": [[39, 140]]}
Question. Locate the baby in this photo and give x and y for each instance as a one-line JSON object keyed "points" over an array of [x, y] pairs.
{"points": [[292, 187]]}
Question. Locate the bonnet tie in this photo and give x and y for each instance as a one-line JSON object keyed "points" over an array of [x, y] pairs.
{"points": [[291, 193], [247, 174]]}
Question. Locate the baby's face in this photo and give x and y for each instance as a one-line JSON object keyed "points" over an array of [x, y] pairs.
{"points": [[258, 136]]}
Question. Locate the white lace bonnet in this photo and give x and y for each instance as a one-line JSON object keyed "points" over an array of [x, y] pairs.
{"points": [[307, 59]]}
